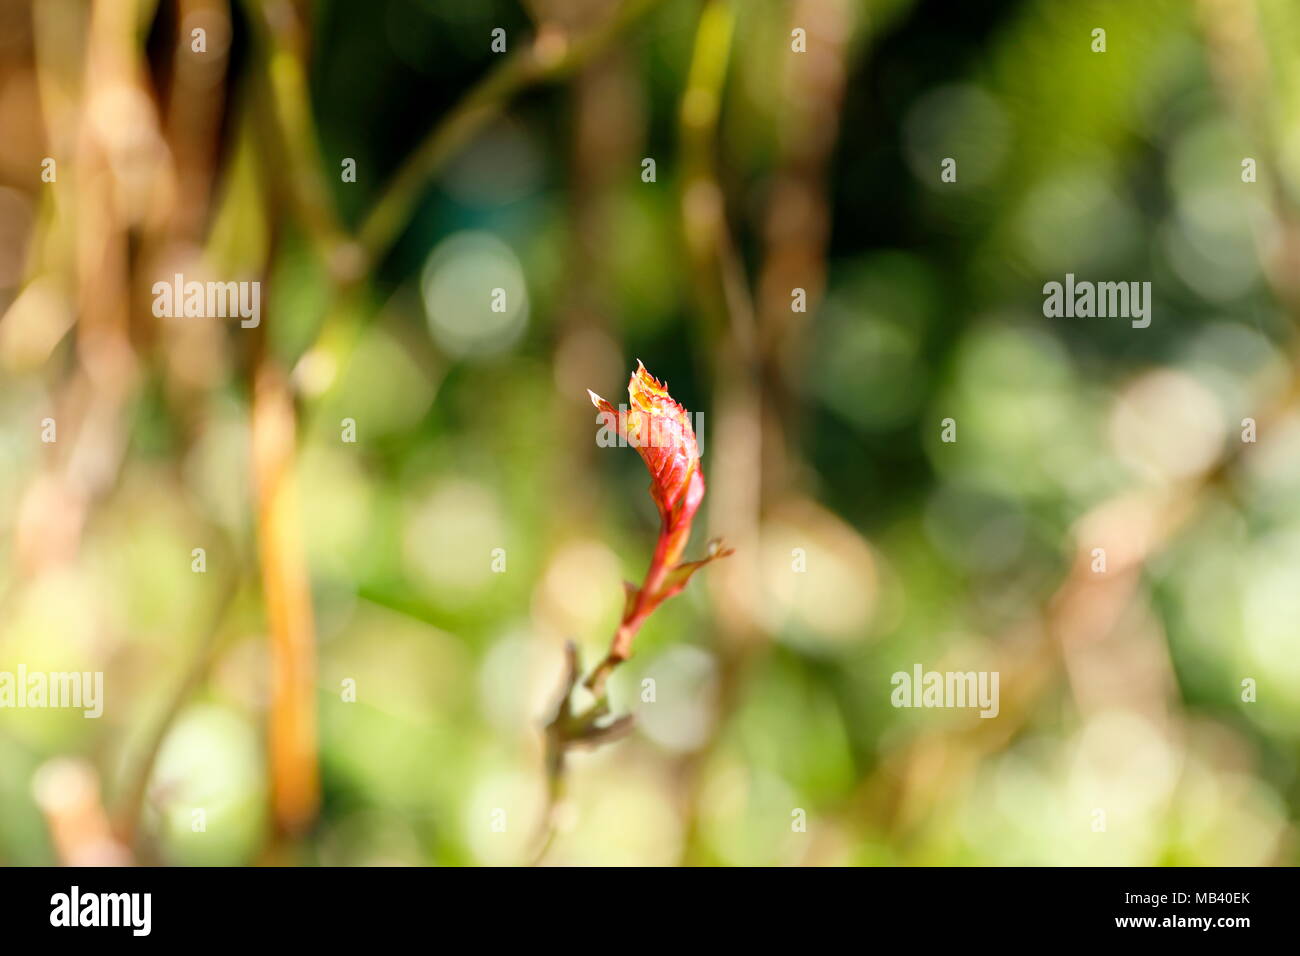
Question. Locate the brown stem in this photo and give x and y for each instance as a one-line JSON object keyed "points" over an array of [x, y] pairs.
{"points": [[566, 731], [620, 649], [295, 786]]}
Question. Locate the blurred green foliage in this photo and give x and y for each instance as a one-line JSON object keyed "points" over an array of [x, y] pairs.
{"points": [[474, 435]]}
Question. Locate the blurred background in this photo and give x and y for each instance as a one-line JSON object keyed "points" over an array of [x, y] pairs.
{"points": [[357, 666]]}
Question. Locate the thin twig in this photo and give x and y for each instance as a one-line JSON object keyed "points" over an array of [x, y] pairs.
{"points": [[132, 803], [549, 57], [565, 731]]}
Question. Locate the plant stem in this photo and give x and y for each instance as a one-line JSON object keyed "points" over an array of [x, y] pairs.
{"points": [[550, 56]]}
